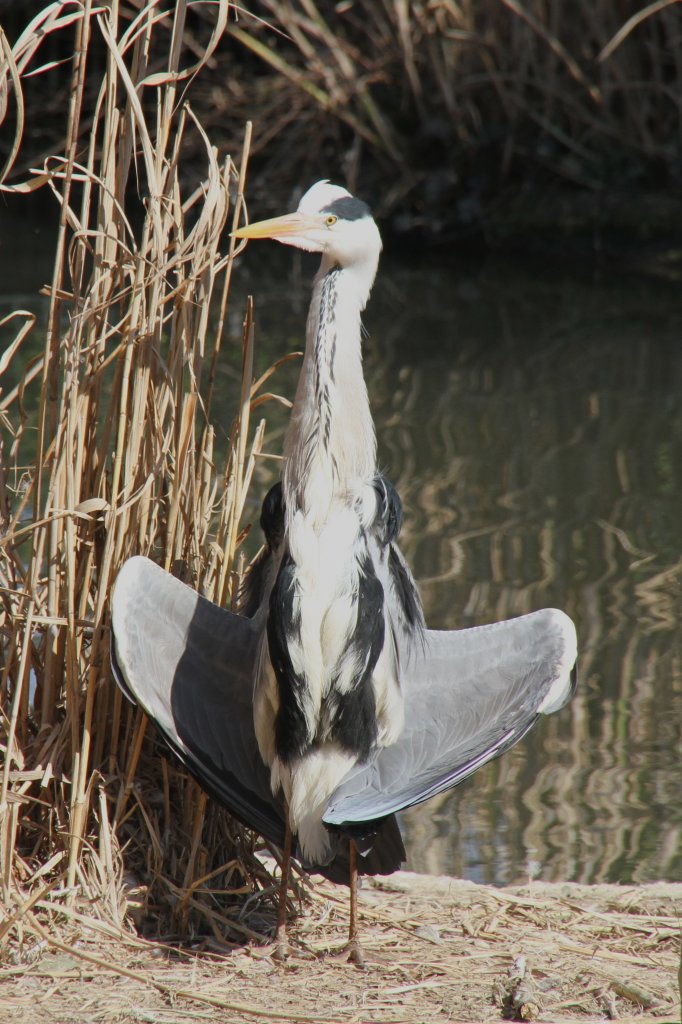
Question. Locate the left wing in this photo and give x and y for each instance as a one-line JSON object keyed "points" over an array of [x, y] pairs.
{"points": [[470, 695]]}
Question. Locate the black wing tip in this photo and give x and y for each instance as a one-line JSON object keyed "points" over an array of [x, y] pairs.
{"points": [[379, 843], [117, 671], [574, 683]]}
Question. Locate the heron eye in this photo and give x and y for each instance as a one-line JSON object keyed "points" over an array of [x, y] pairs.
{"points": [[330, 220]]}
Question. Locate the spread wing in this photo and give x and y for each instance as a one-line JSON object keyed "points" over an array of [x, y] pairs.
{"points": [[469, 695], [191, 666]]}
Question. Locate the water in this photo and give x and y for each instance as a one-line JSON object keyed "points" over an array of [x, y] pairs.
{"points": [[530, 417], [531, 420]]}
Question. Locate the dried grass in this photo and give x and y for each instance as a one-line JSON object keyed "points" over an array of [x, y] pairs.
{"points": [[124, 457], [433, 108], [438, 104], [437, 950]]}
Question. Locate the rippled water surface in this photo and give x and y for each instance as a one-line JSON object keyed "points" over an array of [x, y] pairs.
{"points": [[531, 418]]}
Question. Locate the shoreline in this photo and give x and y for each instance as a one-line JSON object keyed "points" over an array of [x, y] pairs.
{"points": [[438, 949]]}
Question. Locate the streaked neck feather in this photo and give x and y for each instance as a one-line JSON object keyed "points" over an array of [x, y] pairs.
{"points": [[330, 445]]}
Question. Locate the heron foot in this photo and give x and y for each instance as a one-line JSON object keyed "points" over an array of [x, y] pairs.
{"points": [[352, 953], [281, 945], [355, 955]]}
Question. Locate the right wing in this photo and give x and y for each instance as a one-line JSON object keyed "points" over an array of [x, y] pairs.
{"points": [[191, 666]]}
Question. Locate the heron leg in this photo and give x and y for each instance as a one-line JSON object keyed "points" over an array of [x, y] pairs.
{"points": [[281, 944], [355, 954]]}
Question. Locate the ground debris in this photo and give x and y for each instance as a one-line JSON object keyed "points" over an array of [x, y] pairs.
{"points": [[636, 994], [607, 1000], [434, 949], [518, 995]]}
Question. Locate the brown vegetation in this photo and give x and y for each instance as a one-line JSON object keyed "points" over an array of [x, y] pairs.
{"points": [[445, 108], [446, 114], [124, 454], [123, 457], [437, 950]]}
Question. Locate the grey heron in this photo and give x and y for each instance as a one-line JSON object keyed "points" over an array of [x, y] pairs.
{"points": [[327, 706]]}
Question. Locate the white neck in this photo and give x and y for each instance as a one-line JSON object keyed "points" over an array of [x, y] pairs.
{"points": [[330, 445]]}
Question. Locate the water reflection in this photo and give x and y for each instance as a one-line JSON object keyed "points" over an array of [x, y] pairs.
{"points": [[531, 422]]}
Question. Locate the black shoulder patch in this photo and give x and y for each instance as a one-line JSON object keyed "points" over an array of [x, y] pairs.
{"points": [[354, 713], [251, 591], [390, 510], [284, 627], [272, 516], [348, 208], [405, 589]]}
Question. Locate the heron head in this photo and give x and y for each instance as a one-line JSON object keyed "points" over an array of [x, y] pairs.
{"points": [[329, 220]]}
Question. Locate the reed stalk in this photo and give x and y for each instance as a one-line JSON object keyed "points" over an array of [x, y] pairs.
{"points": [[124, 457], [434, 106]]}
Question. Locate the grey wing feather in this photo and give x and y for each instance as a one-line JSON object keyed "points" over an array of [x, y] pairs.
{"points": [[469, 695], [191, 665]]}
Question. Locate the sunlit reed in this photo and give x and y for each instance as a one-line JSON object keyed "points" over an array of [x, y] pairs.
{"points": [[124, 457]]}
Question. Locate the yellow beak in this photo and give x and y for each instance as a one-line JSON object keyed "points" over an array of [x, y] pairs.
{"points": [[278, 227]]}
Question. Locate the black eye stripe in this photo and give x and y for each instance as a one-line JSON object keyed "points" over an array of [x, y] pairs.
{"points": [[348, 208]]}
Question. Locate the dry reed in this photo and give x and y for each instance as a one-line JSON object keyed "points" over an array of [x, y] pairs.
{"points": [[125, 457], [440, 110], [438, 949], [440, 104]]}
